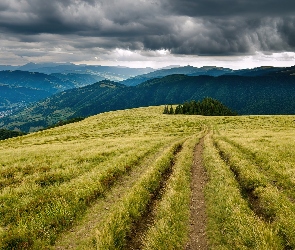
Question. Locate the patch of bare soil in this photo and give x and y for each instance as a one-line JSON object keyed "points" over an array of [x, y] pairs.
{"points": [[198, 239]]}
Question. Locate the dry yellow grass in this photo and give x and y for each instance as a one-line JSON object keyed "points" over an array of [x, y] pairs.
{"points": [[49, 180]]}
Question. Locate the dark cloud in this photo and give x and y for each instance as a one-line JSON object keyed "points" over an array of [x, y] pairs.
{"points": [[216, 8], [287, 31], [190, 27], [227, 37]]}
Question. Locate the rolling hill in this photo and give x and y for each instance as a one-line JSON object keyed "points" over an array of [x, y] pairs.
{"points": [[34, 80], [140, 179], [106, 72], [13, 98]]}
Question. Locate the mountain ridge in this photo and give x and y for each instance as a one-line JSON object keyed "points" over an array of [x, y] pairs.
{"points": [[268, 94]]}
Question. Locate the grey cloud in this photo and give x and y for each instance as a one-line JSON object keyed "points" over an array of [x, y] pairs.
{"points": [[82, 17], [287, 30], [227, 37], [190, 27], [30, 53], [261, 8]]}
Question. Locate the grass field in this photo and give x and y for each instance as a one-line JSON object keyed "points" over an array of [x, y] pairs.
{"points": [[121, 180], [259, 157]]}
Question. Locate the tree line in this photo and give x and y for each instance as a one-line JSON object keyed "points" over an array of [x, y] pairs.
{"points": [[5, 134], [208, 107]]}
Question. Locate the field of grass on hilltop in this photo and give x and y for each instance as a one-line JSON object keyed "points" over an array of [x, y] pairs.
{"points": [[90, 184], [251, 162], [50, 178]]}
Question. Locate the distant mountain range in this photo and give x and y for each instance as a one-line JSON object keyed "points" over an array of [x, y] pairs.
{"points": [[187, 70], [22, 85], [262, 90], [206, 70], [117, 73], [20, 88]]}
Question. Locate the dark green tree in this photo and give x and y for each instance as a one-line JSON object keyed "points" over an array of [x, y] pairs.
{"points": [[166, 111], [171, 110]]}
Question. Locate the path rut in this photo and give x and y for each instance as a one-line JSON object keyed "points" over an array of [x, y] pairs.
{"points": [[197, 237]]}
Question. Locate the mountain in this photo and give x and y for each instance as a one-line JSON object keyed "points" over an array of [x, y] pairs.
{"points": [[20, 88], [259, 71], [34, 80], [269, 94], [207, 70], [116, 73], [64, 105], [13, 98], [78, 79], [41, 67], [22, 85], [8, 67], [187, 70]]}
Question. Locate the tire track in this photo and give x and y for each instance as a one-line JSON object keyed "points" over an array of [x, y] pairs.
{"points": [[198, 220], [85, 229], [246, 192], [140, 228]]}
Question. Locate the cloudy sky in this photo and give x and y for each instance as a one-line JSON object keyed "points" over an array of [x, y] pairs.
{"points": [[156, 33]]}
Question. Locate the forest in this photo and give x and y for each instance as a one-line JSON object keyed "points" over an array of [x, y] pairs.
{"points": [[208, 106], [5, 134]]}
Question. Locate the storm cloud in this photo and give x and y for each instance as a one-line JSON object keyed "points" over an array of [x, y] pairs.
{"points": [[77, 29]]}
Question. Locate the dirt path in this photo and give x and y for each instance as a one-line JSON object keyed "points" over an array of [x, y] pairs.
{"points": [[198, 238]]}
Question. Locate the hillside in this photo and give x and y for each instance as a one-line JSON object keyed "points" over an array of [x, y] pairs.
{"points": [[208, 71], [22, 85], [123, 180], [37, 81], [63, 106], [79, 79], [187, 70], [269, 94], [106, 72], [20, 88], [34, 80], [14, 98]]}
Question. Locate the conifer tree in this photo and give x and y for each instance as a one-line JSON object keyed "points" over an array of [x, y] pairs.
{"points": [[166, 111], [171, 111]]}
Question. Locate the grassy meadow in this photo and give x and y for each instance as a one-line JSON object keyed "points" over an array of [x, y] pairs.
{"points": [[121, 180]]}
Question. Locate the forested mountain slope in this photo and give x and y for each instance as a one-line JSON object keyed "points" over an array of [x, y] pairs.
{"points": [[270, 94]]}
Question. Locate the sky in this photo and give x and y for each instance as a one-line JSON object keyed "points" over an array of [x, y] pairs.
{"points": [[149, 33]]}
